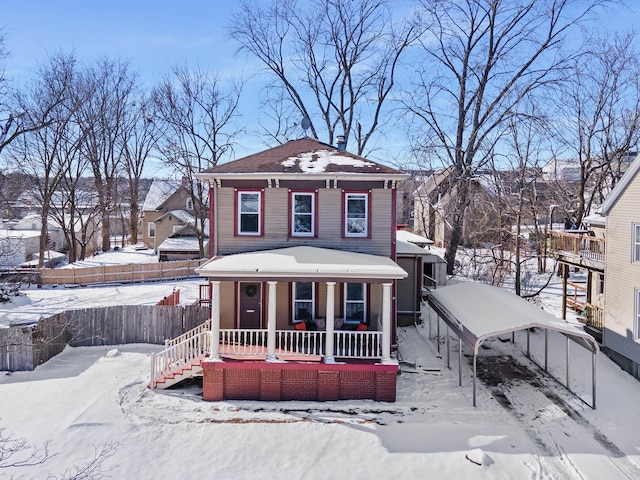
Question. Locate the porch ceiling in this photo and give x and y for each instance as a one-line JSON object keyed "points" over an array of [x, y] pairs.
{"points": [[302, 263]]}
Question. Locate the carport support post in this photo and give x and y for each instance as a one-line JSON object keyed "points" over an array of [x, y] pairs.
{"points": [[474, 377], [546, 348], [386, 323], [448, 349], [271, 322], [330, 314], [438, 332], [459, 362], [215, 321], [593, 379], [567, 337], [528, 343]]}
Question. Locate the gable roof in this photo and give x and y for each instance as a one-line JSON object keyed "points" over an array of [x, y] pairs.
{"points": [[622, 185], [305, 155], [159, 192]]}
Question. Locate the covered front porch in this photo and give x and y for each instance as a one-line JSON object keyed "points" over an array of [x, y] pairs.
{"points": [[281, 346]]}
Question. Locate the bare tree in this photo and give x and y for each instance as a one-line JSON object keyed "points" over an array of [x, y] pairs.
{"points": [[600, 115], [42, 153], [336, 60], [107, 89], [138, 141], [196, 117], [481, 58]]}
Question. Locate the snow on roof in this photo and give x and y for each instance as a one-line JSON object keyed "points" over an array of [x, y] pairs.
{"points": [[488, 311], [180, 244], [411, 237], [19, 233], [303, 262], [159, 192], [594, 219], [181, 215], [317, 162]]}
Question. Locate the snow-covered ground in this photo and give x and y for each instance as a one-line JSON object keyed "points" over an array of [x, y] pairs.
{"points": [[524, 427]]}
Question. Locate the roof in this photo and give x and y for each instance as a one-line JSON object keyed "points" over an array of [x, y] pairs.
{"points": [[622, 185], [309, 263], [305, 155], [411, 237], [488, 311], [181, 244], [159, 192], [182, 215]]}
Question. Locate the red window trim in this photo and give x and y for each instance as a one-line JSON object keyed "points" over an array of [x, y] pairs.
{"points": [[343, 214], [315, 213], [236, 225]]}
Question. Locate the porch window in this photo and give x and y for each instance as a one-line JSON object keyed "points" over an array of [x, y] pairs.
{"points": [[355, 302], [303, 214], [249, 213], [151, 229], [636, 243], [303, 301], [356, 215]]}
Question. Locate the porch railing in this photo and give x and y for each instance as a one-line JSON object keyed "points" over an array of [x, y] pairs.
{"points": [[578, 245], [196, 344], [295, 343], [595, 316]]}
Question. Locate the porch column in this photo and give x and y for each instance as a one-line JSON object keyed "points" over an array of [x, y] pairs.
{"points": [[330, 323], [215, 321], [386, 323], [271, 322]]}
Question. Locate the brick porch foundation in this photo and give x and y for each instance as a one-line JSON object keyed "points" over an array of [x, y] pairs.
{"points": [[253, 380]]}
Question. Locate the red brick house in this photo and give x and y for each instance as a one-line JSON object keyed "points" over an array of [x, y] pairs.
{"points": [[301, 281]]}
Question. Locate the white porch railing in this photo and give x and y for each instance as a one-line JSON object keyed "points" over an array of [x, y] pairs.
{"points": [[296, 343], [196, 344]]}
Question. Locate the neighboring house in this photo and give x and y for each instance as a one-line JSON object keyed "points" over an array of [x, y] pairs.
{"points": [[182, 244], [303, 241], [167, 208], [621, 336]]}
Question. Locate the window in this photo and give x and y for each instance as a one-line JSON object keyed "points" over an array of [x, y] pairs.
{"points": [[189, 204], [152, 229], [302, 214], [356, 215], [303, 301], [601, 283], [636, 243], [355, 302], [249, 213], [177, 227]]}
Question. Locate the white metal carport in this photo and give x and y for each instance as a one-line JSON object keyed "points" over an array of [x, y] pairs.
{"points": [[476, 311]]}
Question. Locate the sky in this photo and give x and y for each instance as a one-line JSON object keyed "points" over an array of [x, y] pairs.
{"points": [[156, 35], [526, 426]]}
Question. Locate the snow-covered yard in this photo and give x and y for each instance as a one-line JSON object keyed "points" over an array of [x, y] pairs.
{"points": [[525, 425]]}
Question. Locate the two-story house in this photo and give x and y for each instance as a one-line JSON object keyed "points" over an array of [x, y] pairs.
{"points": [[169, 221], [621, 336], [302, 276]]}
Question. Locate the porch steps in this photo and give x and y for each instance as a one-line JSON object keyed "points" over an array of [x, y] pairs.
{"points": [[183, 372]]}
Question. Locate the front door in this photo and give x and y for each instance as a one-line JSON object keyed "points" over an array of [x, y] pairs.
{"points": [[250, 305]]}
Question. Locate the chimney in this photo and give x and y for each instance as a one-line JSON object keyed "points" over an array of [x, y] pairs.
{"points": [[342, 143]]}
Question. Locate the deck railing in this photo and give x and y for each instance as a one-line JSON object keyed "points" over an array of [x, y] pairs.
{"points": [[196, 344], [578, 245], [595, 316]]}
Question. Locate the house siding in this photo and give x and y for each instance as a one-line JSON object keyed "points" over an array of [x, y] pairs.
{"points": [[623, 277], [329, 235]]}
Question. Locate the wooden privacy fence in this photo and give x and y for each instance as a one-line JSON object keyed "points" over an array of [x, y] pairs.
{"points": [[25, 347], [134, 272]]}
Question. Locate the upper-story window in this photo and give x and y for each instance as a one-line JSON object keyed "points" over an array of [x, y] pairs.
{"points": [[356, 215], [303, 214], [355, 302], [189, 204], [249, 210], [177, 227], [152, 229], [636, 243], [637, 314]]}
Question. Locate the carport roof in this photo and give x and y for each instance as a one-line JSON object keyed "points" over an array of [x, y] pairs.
{"points": [[477, 311]]}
